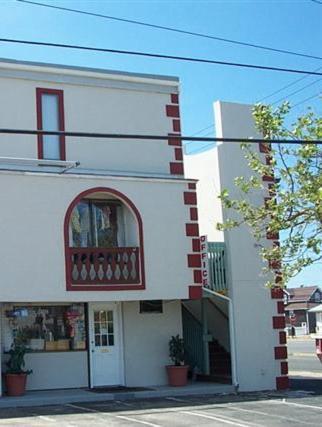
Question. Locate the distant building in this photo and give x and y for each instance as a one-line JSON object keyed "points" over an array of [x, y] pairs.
{"points": [[298, 302]]}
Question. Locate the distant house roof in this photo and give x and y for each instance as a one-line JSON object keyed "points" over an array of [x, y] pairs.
{"points": [[317, 309], [301, 294]]}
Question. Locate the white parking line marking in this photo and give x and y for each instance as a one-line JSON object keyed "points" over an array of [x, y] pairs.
{"points": [[221, 418], [252, 411], [175, 399], [134, 420], [81, 407], [43, 417], [301, 405]]}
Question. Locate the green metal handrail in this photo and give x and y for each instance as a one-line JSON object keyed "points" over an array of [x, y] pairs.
{"points": [[217, 266], [193, 341]]}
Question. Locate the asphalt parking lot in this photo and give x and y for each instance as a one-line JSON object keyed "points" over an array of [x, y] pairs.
{"points": [[293, 408]]}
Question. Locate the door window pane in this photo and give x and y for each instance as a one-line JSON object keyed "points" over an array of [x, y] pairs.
{"points": [[103, 328]]}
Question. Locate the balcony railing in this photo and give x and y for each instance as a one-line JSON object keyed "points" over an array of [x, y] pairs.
{"points": [[217, 266], [115, 266]]}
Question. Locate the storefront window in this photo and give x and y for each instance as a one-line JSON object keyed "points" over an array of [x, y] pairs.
{"points": [[48, 328]]}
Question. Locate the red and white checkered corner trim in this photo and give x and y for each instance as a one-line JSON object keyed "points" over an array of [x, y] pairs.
{"points": [[172, 111], [278, 318]]}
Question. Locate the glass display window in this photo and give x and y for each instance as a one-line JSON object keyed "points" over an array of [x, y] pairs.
{"points": [[48, 327]]}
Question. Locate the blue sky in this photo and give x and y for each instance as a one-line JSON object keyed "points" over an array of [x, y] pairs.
{"points": [[291, 24]]}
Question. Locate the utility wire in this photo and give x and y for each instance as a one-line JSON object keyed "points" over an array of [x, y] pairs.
{"points": [[316, 1], [296, 91], [162, 56], [156, 137], [307, 99], [172, 29], [285, 87]]}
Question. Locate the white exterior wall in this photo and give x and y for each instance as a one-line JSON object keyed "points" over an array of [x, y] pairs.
{"points": [[93, 102], [32, 238], [252, 305], [146, 342]]}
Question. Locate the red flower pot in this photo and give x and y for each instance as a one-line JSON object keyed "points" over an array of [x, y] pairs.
{"points": [[177, 375], [16, 384]]}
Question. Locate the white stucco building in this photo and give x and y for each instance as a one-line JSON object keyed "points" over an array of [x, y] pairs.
{"points": [[100, 249], [95, 258], [254, 318]]}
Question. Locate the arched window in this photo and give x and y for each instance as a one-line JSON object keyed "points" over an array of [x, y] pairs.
{"points": [[103, 242]]}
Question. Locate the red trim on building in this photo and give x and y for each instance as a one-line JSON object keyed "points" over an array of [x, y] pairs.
{"points": [[194, 214], [282, 383], [136, 213], [196, 245], [278, 322], [174, 141], [268, 178], [190, 198], [264, 147], [176, 168], [61, 120], [277, 293], [284, 368], [282, 337], [174, 98], [178, 155], [194, 260], [176, 126], [172, 110], [195, 292], [280, 307], [192, 185], [280, 352], [192, 230], [197, 276], [272, 236]]}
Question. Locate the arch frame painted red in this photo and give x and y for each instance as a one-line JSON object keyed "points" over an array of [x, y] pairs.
{"points": [[72, 287]]}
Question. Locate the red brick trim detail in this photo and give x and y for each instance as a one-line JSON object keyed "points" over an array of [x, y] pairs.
{"points": [[190, 198], [172, 110], [176, 126], [278, 322], [282, 383], [264, 147], [196, 245], [284, 368], [178, 153], [268, 178], [174, 98], [197, 276], [192, 230], [280, 307], [194, 260], [175, 140], [195, 292], [176, 168], [277, 293], [280, 352], [192, 186], [272, 236], [282, 337], [194, 214]]}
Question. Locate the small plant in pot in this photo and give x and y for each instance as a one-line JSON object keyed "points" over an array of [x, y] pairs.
{"points": [[16, 375], [177, 373]]}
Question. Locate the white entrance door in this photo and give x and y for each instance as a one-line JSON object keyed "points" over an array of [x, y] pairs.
{"points": [[105, 344]]}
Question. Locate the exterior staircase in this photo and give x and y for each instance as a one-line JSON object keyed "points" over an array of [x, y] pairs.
{"points": [[219, 365]]}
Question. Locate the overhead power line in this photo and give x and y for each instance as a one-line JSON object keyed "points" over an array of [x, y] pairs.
{"points": [[316, 1], [296, 91], [157, 137], [307, 99], [161, 56], [286, 86], [172, 29]]}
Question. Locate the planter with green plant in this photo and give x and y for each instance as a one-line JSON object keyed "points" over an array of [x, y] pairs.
{"points": [[16, 375], [178, 372]]}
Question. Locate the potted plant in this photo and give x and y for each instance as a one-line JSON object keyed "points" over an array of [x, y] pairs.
{"points": [[16, 376], [177, 373]]}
